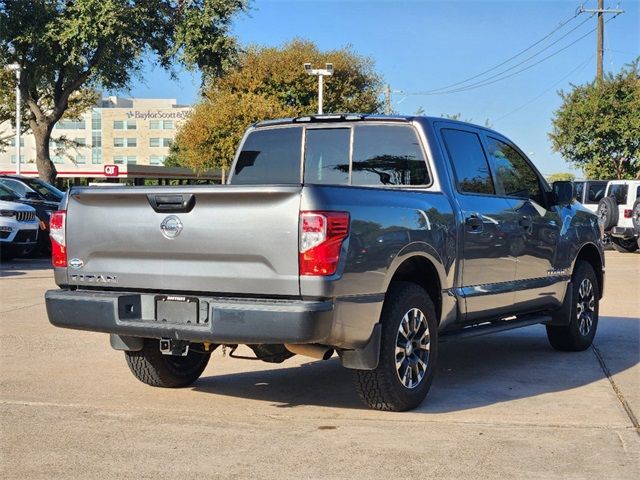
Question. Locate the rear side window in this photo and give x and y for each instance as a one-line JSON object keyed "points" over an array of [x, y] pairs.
{"points": [[619, 192], [326, 156], [469, 162], [270, 156], [387, 155]]}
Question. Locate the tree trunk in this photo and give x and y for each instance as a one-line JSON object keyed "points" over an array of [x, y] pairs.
{"points": [[46, 169]]}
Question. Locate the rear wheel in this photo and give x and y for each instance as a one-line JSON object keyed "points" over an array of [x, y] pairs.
{"points": [[408, 351], [150, 366], [578, 334], [624, 245], [635, 216]]}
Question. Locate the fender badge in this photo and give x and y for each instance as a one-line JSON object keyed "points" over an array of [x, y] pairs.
{"points": [[76, 263]]}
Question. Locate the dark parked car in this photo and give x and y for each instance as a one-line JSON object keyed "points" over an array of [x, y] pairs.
{"points": [[370, 236], [26, 186]]}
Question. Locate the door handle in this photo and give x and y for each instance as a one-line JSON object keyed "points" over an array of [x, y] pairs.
{"points": [[474, 222], [172, 203]]}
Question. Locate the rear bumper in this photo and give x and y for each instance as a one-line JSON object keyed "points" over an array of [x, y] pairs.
{"points": [[623, 232], [222, 320]]}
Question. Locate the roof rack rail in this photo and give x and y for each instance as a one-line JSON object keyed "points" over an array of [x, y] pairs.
{"points": [[332, 117]]}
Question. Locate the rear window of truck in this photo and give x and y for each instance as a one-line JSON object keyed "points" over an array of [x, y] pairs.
{"points": [[270, 156], [368, 155]]}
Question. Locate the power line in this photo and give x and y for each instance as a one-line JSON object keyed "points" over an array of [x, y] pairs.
{"points": [[561, 25], [547, 90], [484, 83]]}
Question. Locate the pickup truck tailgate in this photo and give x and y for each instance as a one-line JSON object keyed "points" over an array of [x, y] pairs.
{"points": [[235, 239]]}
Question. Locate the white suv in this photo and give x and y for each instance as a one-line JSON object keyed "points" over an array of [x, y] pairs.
{"points": [[18, 229], [619, 214]]}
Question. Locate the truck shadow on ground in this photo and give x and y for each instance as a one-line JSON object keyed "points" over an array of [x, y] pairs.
{"points": [[17, 267], [472, 373]]}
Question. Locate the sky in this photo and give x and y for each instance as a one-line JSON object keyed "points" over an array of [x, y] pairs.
{"points": [[425, 45]]}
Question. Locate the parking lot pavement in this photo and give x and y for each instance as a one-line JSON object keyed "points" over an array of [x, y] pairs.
{"points": [[501, 406]]}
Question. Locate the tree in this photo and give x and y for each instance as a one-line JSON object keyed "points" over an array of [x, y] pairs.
{"points": [[271, 83], [79, 102], [597, 127], [65, 46], [558, 177]]}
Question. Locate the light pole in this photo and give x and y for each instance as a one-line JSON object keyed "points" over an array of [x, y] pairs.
{"points": [[320, 73], [14, 67]]}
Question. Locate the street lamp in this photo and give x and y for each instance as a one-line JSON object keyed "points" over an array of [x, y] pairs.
{"points": [[14, 67], [320, 73]]}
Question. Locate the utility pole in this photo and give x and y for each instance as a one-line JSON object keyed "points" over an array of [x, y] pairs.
{"points": [[600, 40], [387, 108], [15, 67]]}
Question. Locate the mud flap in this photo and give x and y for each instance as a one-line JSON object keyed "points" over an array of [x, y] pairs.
{"points": [[562, 316], [365, 358], [126, 343]]}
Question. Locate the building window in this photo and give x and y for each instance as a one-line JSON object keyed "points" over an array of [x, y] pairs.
{"points": [[155, 125], [81, 159], [131, 125], [96, 122], [80, 141], [132, 142], [57, 159], [118, 124], [154, 142], [157, 159], [71, 124], [166, 142], [167, 124], [96, 156], [14, 159], [118, 142], [119, 159], [131, 159], [96, 139], [12, 142]]}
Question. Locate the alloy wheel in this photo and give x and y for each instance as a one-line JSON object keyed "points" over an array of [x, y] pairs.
{"points": [[585, 311], [413, 345]]}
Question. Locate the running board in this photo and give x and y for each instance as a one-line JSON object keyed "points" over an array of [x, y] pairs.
{"points": [[493, 327]]}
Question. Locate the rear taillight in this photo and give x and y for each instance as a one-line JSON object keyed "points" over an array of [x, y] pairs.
{"points": [[58, 240], [321, 236], [628, 213]]}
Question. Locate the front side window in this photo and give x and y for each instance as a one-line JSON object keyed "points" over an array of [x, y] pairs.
{"points": [[578, 188], [469, 162], [269, 156], [513, 172], [387, 155], [326, 156]]}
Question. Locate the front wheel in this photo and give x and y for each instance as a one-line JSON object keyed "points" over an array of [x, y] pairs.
{"points": [[150, 366], [578, 334], [408, 351]]}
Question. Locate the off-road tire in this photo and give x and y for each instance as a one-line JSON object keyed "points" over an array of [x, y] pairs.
{"points": [[635, 216], [382, 389], [150, 366], [570, 338], [624, 245], [607, 213]]}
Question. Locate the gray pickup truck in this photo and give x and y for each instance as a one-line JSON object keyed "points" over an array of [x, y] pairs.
{"points": [[376, 238]]}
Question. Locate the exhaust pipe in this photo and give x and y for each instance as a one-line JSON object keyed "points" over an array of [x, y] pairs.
{"points": [[310, 350]]}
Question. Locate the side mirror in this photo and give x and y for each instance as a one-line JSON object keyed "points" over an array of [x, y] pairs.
{"points": [[563, 192]]}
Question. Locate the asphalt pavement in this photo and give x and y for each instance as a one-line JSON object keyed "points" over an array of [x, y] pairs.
{"points": [[501, 406]]}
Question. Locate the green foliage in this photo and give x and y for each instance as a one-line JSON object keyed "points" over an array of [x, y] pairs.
{"points": [[64, 46], [597, 127], [271, 83], [559, 177]]}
